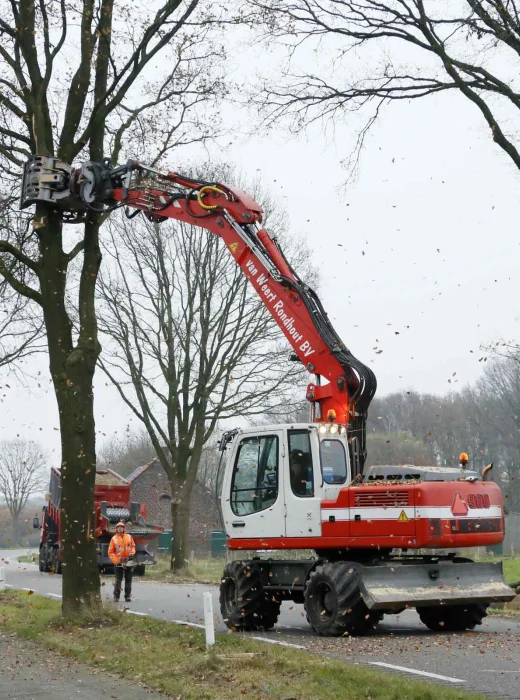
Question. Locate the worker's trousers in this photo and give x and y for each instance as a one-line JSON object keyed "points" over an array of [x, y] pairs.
{"points": [[121, 571]]}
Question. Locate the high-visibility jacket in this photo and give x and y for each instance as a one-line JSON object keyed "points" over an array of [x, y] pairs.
{"points": [[121, 547]]}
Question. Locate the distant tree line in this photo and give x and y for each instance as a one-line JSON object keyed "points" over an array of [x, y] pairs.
{"points": [[482, 420]]}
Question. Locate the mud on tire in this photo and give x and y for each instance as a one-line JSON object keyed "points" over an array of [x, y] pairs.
{"points": [[453, 618], [333, 601], [244, 603]]}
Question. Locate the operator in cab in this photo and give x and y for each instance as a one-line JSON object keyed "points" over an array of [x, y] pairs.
{"points": [[299, 468], [121, 552]]}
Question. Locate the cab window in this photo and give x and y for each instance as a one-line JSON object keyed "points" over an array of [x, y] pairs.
{"points": [[333, 461], [255, 477], [300, 463]]}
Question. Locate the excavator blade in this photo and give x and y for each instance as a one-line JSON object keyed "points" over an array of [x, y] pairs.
{"points": [[427, 584]]}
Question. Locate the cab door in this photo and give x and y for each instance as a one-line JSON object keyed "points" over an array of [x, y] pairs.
{"points": [[254, 506], [303, 486]]}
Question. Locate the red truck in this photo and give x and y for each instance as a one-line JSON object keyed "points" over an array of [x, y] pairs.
{"points": [[111, 504]]}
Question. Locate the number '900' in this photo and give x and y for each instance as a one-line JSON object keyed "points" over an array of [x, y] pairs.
{"points": [[478, 500]]}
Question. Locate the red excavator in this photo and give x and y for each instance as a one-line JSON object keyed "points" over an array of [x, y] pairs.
{"points": [[375, 532]]}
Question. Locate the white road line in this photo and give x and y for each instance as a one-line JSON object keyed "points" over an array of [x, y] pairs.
{"points": [[417, 672], [134, 612], [27, 589], [53, 595], [188, 624], [275, 641], [8, 585]]}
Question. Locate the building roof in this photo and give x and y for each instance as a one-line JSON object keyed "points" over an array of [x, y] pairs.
{"points": [[133, 475]]}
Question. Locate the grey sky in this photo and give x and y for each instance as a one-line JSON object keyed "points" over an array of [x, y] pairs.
{"points": [[418, 258]]}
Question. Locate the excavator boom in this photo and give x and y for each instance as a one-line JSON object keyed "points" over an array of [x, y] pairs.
{"points": [[343, 386]]}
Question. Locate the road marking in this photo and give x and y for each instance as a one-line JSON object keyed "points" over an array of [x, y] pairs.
{"points": [[53, 595], [8, 585], [188, 624], [275, 641], [134, 612], [417, 672]]}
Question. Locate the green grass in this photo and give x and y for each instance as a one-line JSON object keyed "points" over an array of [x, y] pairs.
{"points": [[511, 566], [27, 559], [173, 659], [512, 569], [198, 571]]}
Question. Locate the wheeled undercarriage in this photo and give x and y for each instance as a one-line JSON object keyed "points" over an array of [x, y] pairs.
{"points": [[343, 597]]}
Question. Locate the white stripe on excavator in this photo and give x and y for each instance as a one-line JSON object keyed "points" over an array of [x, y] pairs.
{"points": [[393, 513], [417, 672], [367, 513], [445, 512]]}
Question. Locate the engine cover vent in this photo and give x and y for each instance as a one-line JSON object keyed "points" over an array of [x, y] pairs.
{"points": [[382, 499]]}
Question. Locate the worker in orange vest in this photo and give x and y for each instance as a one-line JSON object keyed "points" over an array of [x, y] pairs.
{"points": [[121, 551]]}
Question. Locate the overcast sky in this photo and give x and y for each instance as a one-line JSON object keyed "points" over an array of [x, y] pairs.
{"points": [[418, 258]]}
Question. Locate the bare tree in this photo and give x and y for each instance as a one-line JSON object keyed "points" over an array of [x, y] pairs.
{"points": [[399, 447], [23, 473], [188, 344], [21, 322], [395, 50], [126, 453], [91, 79]]}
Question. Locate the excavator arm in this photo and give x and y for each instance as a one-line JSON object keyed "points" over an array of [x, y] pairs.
{"points": [[343, 387]]}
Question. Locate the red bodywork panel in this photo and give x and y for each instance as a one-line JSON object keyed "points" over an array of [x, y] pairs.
{"points": [[435, 515]]}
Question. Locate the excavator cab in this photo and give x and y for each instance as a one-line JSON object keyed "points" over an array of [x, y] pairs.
{"points": [[275, 480]]}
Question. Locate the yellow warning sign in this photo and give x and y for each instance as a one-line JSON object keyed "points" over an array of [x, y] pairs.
{"points": [[403, 517], [233, 247]]}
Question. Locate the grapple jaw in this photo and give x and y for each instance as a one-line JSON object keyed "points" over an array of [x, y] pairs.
{"points": [[74, 191]]}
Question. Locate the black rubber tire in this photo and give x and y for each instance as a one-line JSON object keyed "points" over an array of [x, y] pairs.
{"points": [[333, 601], [55, 566], [453, 618], [244, 604], [42, 565]]}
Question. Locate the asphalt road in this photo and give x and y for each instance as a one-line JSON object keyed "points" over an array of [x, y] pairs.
{"points": [[486, 660]]}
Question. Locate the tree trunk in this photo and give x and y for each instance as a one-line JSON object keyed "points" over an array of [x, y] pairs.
{"points": [[72, 370], [78, 472], [182, 477], [181, 534]]}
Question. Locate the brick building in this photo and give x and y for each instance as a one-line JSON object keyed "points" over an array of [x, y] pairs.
{"points": [[149, 485]]}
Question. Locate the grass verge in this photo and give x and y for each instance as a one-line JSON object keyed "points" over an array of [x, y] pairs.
{"points": [[27, 559], [511, 569], [173, 659], [196, 571]]}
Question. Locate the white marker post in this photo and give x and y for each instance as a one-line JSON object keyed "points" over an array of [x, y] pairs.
{"points": [[2, 580], [208, 619]]}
